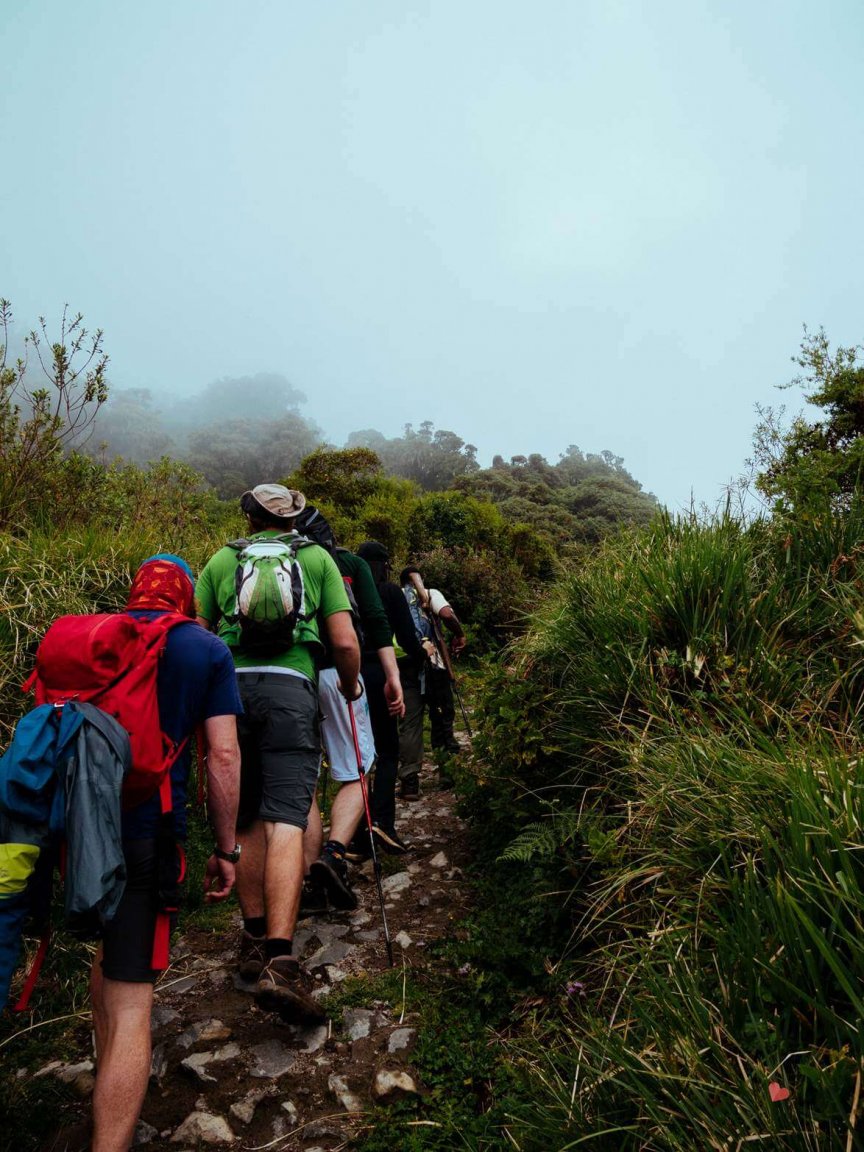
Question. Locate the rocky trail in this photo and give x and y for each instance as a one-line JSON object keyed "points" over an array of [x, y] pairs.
{"points": [[225, 1072]]}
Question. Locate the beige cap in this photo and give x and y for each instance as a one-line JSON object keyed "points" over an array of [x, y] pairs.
{"points": [[286, 503]]}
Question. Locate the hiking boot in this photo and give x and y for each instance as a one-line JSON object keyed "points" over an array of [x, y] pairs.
{"points": [[252, 956], [331, 871], [390, 840], [286, 987], [313, 899], [359, 850], [410, 789]]}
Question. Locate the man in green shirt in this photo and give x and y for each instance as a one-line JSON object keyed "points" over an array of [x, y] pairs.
{"points": [[279, 734]]}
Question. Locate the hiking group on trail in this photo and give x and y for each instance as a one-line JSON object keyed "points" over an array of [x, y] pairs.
{"points": [[300, 646]]}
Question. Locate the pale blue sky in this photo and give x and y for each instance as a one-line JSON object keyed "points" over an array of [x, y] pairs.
{"points": [[536, 224]]}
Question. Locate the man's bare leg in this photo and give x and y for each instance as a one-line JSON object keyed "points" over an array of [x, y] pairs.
{"points": [[283, 877], [250, 869], [346, 812], [121, 1022]]}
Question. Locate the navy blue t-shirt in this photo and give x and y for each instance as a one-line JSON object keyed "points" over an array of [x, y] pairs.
{"points": [[196, 680]]}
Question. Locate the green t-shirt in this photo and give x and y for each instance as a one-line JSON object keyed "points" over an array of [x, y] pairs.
{"points": [[324, 594]]}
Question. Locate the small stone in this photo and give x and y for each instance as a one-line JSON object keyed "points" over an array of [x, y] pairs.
{"points": [[48, 1069], [439, 861], [198, 1063], [369, 936], [279, 1127], [423, 901], [360, 917], [330, 954], [349, 1100], [393, 1085], [311, 1037], [414, 868], [69, 1073], [271, 1060], [453, 874], [185, 984], [290, 1108], [395, 884], [358, 1022], [205, 1127], [162, 1016], [158, 1062], [243, 1110], [400, 1039], [403, 940], [203, 1030], [144, 1133]]}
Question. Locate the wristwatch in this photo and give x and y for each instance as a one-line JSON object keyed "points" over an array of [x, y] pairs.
{"points": [[232, 857]]}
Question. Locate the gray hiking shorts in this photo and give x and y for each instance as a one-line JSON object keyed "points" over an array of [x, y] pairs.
{"points": [[280, 747]]}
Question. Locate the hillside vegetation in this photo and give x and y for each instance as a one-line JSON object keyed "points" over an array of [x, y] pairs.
{"points": [[667, 949]]}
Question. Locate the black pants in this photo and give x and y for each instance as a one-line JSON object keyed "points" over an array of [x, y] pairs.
{"points": [[442, 713], [385, 729]]}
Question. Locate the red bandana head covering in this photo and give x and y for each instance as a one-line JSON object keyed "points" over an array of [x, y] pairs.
{"points": [[163, 584]]}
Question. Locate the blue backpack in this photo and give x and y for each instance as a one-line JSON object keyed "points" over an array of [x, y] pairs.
{"points": [[60, 784]]}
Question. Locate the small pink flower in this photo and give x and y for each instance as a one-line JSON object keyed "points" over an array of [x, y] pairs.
{"points": [[575, 988]]}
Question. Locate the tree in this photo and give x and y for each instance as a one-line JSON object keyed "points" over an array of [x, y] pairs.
{"points": [[433, 459], [235, 455], [344, 478], [821, 463], [238, 398], [42, 420], [130, 426]]}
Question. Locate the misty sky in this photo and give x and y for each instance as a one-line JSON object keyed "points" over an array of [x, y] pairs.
{"points": [[600, 223]]}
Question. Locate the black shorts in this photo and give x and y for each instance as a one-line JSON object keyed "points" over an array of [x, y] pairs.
{"points": [[127, 941], [280, 748]]}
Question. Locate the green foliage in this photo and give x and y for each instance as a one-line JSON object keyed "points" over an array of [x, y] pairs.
{"points": [[432, 459], [343, 478], [453, 520], [578, 501], [670, 772], [819, 464], [486, 589], [40, 422]]}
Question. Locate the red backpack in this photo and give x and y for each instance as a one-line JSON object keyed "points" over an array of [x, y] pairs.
{"points": [[111, 660]]}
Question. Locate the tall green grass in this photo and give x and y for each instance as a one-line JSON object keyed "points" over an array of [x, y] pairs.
{"points": [[689, 789]]}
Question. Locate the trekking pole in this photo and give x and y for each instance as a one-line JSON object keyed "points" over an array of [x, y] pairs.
{"points": [[441, 645], [376, 865]]}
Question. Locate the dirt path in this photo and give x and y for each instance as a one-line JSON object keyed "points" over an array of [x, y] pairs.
{"points": [[224, 1071]]}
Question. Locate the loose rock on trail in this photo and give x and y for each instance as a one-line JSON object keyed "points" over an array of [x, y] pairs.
{"points": [[225, 1072]]}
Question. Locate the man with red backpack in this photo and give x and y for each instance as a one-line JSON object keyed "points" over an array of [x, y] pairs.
{"points": [[195, 686]]}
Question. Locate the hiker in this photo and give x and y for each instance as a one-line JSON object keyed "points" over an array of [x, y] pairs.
{"points": [[428, 686], [326, 863], [195, 685], [385, 726], [269, 596]]}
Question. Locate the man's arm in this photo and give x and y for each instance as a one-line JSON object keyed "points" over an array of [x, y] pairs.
{"points": [[451, 620], [223, 790], [346, 652], [392, 683]]}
